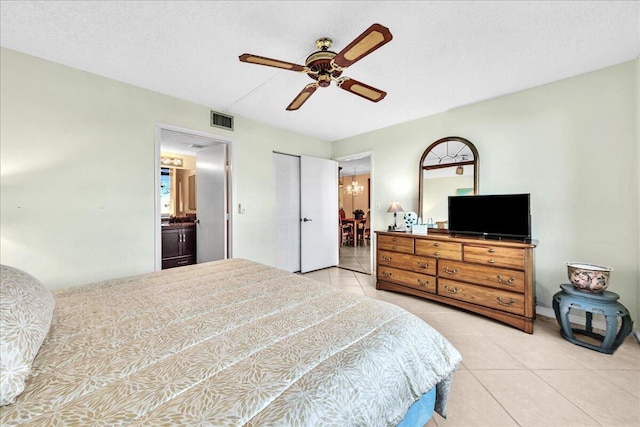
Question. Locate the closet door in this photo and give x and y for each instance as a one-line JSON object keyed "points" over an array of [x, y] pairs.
{"points": [[306, 212], [286, 171]]}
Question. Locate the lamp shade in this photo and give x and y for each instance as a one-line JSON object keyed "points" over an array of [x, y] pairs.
{"points": [[395, 207]]}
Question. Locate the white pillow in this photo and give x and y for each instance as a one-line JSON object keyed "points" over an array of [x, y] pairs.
{"points": [[26, 312]]}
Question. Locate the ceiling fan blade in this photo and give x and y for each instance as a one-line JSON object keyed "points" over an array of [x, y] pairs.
{"points": [[261, 60], [302, 97], [373, 37], [361, 89]]}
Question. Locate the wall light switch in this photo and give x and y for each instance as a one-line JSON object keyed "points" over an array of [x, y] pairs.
{"points": [[241, 210]]}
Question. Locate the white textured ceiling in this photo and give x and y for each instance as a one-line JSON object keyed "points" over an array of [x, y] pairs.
{"points": [[444, 54]]}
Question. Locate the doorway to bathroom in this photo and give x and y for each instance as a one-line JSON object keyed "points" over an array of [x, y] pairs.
{"points": [[193, 196]]}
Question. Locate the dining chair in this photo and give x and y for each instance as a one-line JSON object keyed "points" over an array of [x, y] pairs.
{"points": [[364, 229], [346, 233]]}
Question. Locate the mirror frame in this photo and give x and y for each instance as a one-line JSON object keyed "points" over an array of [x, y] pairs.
{"points": [[475, 162]]}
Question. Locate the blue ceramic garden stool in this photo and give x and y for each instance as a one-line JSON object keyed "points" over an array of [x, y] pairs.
{"points": [[605, 304]]}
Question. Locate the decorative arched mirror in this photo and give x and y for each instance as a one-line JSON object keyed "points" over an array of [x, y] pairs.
{"points": [[448, 167]]}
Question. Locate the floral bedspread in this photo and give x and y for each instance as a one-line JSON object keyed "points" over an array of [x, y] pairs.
{"points": [[229, 343]]}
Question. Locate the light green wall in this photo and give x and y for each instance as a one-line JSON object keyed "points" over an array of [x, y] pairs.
{"points": [[77, 172], [572, 144]]}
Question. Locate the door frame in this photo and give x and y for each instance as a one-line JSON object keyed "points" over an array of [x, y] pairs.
{"points": [[231, 187], [372, 201]]}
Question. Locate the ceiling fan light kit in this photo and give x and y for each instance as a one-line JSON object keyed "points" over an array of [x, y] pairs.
{"points": [[325, 66]]}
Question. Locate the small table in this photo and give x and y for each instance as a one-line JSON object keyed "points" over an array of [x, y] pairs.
{"points": [[606, 304]]}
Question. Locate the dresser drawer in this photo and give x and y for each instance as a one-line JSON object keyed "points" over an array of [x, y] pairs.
{"points": [[396, 244], [501, 278], [423, 282], [407, 262], [494, 255], [510, 302], [436, 249]]}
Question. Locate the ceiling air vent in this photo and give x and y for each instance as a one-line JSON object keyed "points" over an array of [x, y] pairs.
{"points": [[221, 121]]}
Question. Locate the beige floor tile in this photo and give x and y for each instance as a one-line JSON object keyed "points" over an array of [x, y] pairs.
{"points": [[471, 405], [368, 279], [546, 326], [539, 351], [478, 352], [627, 356], [626, 380], [451, 323], [595, 395], [411, 304], [431, 423], [333, 272], [374, 293], [531, 401], [345, 281], [319, 275]]}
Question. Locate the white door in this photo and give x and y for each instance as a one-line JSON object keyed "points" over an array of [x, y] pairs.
{"points": [[318, 213], [211, 191], [287, 184]]}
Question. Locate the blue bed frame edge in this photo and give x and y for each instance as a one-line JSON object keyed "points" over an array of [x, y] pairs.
{"points": [[421, 411]]}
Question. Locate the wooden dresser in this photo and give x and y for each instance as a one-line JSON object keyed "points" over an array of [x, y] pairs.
{"points": [[493, 278]]}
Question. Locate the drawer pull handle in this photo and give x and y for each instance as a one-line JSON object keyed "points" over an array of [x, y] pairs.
{"points": [[395, 239], [436, 244], [395, 248], [491, 250], [386, 258], [454, 271], [436, 253], [506, 282], [509, 303], [423, 264], [492, 261], [385, 274], [183, 262], [451, 291], [423, 282]]}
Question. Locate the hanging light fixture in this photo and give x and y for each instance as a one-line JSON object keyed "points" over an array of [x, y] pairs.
{"points": [[354, 188], [171, 161], [460, 169]]}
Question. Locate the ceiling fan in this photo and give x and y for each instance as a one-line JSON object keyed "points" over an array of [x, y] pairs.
{"points": [[323, 66]]}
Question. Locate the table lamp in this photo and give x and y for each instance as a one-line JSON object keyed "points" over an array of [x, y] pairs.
{"points": [[395, 207]]}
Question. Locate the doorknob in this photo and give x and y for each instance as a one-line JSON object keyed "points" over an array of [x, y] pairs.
{"points": [[306, 219]]}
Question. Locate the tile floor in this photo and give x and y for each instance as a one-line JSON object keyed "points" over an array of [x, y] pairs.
{"points": [[356, 258], [510, 378]]}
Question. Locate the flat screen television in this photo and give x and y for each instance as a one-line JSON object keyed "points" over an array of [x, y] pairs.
{"points": [[495, 216]]}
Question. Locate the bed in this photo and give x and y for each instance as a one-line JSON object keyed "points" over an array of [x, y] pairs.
{"points": [[224, 343]]}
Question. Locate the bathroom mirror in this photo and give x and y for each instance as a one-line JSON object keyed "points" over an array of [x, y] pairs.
{"points": [[448, 167]]}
